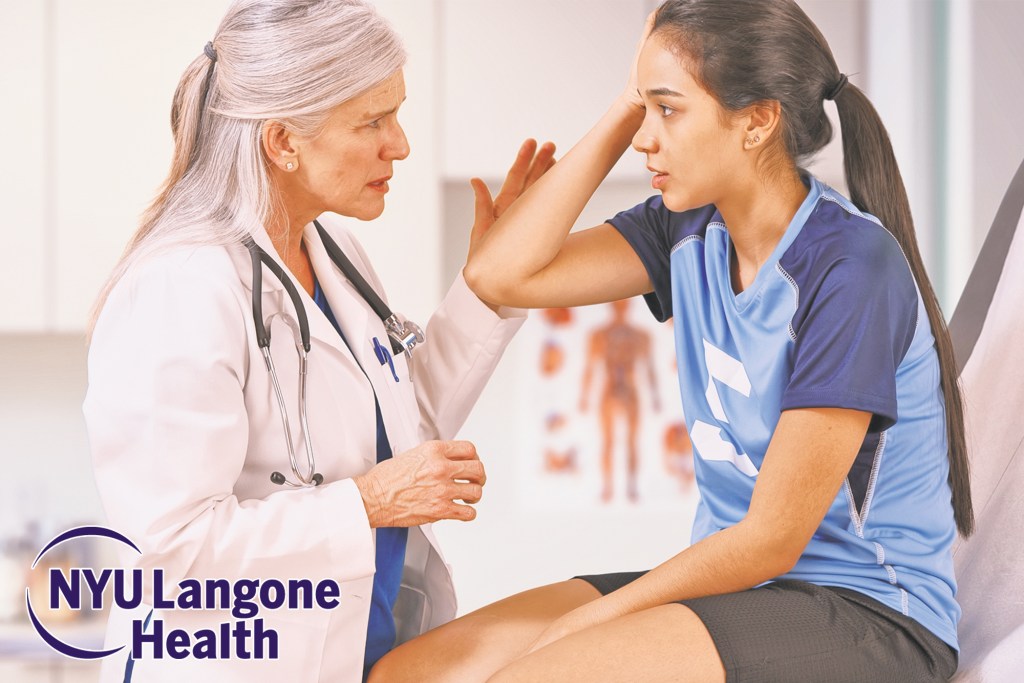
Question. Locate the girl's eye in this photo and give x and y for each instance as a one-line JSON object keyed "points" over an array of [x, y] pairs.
{"points": [[665, 111]]}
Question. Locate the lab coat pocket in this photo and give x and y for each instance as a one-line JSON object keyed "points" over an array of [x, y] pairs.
{"points": [[404, 392]]}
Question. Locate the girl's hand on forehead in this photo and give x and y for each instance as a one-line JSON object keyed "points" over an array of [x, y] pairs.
{"points": [[632, 92]]}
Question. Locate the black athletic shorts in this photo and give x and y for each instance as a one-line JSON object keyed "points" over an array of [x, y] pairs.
{"points": [[799, 632]]}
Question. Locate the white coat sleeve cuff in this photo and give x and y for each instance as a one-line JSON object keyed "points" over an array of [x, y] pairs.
{"points": [[352, 547], [478, 319]]}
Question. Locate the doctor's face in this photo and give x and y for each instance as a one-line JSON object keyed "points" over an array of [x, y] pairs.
{"points": [[693, 146], [346, 168]]}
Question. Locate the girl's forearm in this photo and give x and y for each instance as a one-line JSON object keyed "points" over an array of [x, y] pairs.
{"points": [[528, 236], [729, 561]]}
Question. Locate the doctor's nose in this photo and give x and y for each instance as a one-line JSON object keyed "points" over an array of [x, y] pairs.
{"points": [[397, 146]]}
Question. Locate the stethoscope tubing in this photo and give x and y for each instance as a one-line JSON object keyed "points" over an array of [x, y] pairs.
{"points": [[404, 336]]}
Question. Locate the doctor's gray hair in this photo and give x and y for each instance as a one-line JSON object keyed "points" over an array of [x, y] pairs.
{"points": [[290, 61]]}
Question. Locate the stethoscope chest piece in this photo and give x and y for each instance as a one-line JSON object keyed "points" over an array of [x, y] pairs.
{"points": [[404, 334]]}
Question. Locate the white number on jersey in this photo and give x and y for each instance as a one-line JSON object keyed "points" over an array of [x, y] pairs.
{"points": [[707, 438]]}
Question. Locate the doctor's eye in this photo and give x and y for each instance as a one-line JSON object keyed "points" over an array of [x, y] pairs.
{"points": [[374, 124]]}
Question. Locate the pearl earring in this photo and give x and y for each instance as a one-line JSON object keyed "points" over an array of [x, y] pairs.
{"points": [[290, 166]]}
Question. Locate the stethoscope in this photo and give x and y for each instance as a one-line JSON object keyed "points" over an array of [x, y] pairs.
{"points": [[404, 335]]}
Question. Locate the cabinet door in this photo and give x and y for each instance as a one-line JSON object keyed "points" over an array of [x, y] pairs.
{"points": [[404, 244], [117, 64], [24, 216], [511, 70]]}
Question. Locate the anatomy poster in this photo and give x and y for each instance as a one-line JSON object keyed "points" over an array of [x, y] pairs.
{"points": [[606, 425]]}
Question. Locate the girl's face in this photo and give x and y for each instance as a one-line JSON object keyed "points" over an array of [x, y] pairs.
{"points": [[694, 147]]}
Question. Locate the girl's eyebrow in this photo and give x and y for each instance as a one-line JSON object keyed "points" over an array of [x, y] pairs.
{"points": [[664, 92]]}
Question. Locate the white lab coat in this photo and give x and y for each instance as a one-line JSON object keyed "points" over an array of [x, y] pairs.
{"points": [[185, 431]]}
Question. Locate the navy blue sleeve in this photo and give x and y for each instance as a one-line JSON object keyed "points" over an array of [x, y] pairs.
{"points": [[854, 324], [647, 228]]}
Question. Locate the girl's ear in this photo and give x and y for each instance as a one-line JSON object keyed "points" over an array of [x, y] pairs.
{"points": [[760, 122]]}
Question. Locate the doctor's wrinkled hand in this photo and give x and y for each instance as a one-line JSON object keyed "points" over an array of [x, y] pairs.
{"points": [[421, 485]]}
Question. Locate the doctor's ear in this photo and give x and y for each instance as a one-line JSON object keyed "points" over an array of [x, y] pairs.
{"points": [[279, 146]]}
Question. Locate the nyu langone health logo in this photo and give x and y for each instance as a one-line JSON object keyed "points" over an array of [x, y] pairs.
{"points": [[247, 637]]}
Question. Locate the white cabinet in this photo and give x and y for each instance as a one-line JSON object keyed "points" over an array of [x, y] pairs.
{"points": [[511, 70], [404, 244], [86, 92], [23, 166], [117, 64]]}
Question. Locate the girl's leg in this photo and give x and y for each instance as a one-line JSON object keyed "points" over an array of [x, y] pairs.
{"points": [[475, 646], [666, 643]]}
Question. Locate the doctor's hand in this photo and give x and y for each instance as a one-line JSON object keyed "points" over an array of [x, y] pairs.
{"points": [[423, 484], [530, 164]]}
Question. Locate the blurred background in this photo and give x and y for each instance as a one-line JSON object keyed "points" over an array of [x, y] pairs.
{"points": [[85, 90]]}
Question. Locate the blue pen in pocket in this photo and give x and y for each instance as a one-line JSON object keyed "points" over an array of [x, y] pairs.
{"points": [[384, 356]]}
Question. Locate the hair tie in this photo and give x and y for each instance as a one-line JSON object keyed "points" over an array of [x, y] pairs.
{"points": [[210, 52], [837, 88]]}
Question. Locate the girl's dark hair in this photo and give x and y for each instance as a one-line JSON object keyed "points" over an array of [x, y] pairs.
{"points": [[748, 51]]}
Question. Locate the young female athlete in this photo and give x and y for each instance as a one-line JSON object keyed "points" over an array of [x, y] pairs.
{"points": [[816, 375]]}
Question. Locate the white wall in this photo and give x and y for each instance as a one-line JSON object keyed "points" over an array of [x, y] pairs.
{"points": [[23, 173], [47, 474], [995, 96]]}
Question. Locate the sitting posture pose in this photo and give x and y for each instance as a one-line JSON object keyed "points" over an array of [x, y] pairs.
{"points": [[816, 373]]}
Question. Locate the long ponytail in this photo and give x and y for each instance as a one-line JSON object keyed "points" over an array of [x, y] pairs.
{"points": [[186, 115], [876, 186]]}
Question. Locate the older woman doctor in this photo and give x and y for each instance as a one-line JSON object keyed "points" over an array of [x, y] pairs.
{"points": [[290, 112]]}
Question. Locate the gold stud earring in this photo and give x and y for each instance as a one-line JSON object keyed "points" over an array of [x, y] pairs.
{"points": [[290, 166]]}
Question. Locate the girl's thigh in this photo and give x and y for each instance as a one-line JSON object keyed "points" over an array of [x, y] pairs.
{"points": [[658, 645], [473, 647]]}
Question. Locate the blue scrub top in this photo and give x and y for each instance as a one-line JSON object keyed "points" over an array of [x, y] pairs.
{"points": [[390, 558]]}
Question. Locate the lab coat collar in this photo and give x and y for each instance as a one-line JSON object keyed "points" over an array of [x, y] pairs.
{"points": [[319, 326], [240, 255], [348, 306]]}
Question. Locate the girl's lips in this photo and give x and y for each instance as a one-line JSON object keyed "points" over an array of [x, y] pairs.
{"points": [[659, 180]]}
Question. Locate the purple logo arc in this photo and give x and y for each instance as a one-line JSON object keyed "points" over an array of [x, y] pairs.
{"points": [[50, 639]]}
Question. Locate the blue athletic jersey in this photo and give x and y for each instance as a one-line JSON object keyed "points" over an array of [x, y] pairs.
{"points": [[832, 319]]}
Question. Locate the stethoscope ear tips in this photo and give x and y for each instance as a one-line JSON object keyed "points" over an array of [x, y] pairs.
{"points": [[318, 479], [278, 478]]}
